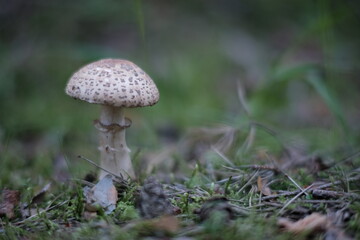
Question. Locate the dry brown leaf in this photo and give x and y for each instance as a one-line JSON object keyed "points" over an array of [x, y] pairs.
{"points": [[89, 215], [9, 200], [103, 194], [262, 186], [168, 224], [165, 225], [40, 195], [313, 223]]}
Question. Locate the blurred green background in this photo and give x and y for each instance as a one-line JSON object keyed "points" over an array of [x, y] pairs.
{"points": [[297, 64]]}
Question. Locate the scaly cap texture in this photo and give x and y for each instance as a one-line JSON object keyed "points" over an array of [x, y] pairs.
{"points": [[114, 82]]}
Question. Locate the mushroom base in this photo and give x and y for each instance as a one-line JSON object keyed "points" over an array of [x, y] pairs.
{"points": [[114, 153]]}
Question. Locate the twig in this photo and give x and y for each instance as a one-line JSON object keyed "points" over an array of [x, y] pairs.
{"points": [[319, 193], [235, 169], [89, 184], [285, 194], [45, 210], [345, 159], [239, 210], [56, 198], [98, 166], [326, 185], [285, 174], [248, 182], [319, 201], [274, 169], [273, 204], [251, 192], [236, 200], [119, 178], [295, 183], [227, 179], [260, 167], [294, 198], [222, 155]]}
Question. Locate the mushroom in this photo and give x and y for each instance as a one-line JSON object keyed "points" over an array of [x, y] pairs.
{"points": [[115, 84]]}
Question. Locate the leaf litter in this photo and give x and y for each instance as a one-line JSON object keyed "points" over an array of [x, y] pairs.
{"points": [[9, 201], [184, 206], [102, 195], [313, 223]]}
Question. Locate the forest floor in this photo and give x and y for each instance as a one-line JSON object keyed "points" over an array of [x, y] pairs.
{"points": [[292, 195]]}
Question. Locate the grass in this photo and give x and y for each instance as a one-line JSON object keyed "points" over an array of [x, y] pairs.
{"points": [[61, 213], [229, 165], [294, 123]]}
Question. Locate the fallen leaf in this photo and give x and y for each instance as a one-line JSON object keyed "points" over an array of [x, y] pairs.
{"points": [[27, 210], [168, 224], [39, 196], [262, 186], [313, 223], [9, 200], [89, 215], [103, 194]]}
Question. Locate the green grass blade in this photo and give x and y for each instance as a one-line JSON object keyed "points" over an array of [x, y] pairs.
{"points": [[318, 84]]}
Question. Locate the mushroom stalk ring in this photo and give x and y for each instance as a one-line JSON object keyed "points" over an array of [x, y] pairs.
{"points": [[114, 127]]}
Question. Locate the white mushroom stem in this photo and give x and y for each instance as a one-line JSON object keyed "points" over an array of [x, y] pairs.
{"points": [[114, 153]]}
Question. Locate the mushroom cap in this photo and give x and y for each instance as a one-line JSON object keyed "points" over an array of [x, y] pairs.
{"points": [[114, 82]]}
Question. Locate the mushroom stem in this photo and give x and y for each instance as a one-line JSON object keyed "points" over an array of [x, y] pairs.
{"points": [[114, 153]]}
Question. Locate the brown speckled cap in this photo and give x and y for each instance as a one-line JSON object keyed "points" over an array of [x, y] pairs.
{"points": [[115, 82]]}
